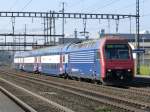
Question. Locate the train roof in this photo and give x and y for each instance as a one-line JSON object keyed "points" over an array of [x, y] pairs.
{"points": [[86, 45], [90, 44], [111, 39], [42, 51], [94, 44]]}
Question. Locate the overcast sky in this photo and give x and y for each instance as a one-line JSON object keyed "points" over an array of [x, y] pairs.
{"points": [[84, 6]]}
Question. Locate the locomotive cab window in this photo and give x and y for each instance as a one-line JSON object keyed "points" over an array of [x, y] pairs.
{"points": [[117, 51]]}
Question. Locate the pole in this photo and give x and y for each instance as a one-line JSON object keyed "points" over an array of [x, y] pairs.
{"points": [[47, 27], [117, 25], [130, 25], [44, 31], [143, 48], [50, 27], [25, 31], [5, 40], [137, 34], [75, 33], [13, 30], [109, 26], [54, 31], [63, 20]]}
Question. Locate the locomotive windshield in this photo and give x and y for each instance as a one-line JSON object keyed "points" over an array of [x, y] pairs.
{"points": [[117, 51]]}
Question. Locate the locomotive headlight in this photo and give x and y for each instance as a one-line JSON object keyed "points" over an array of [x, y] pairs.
{"points": [[129, 70], [109, 70]]}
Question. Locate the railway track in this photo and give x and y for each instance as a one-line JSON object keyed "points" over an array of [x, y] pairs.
{"points": [[80, 100], [107, 99], [130, 90], [19, 102], [37, 99], [56, 107]]}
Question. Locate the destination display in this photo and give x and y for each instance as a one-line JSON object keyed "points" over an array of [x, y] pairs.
{"points": [[117, 46]]}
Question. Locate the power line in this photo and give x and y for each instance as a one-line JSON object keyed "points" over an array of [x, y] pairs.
{"points": [[93, 5], [110, 3], [129, 5], [76, 3], [26, 5], [63, 21], [13, 4], [145, 15]]}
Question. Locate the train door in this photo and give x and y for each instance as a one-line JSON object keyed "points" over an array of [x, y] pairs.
{"points": [[35, 64], [97, 65], [66, 56], [61, 64], [22, 63], [39, 64], [19, 63]]}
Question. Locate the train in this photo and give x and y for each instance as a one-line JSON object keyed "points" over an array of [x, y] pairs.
{"points": [[106, 60]]}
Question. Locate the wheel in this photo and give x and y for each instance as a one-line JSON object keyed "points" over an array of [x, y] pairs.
{"points": [[65, 76]]}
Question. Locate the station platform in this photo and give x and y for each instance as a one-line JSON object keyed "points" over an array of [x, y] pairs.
{"points": [[143, 76], [7, 105]]}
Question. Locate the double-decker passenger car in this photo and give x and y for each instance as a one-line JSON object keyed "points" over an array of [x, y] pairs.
{"points": [[107, 60]]}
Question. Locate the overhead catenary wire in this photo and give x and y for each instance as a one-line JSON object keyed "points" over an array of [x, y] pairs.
{"points": [[76, 3], [12, 6], [125, 7], [26, 5], [145, 15], [131, 5], [110, 3]]}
